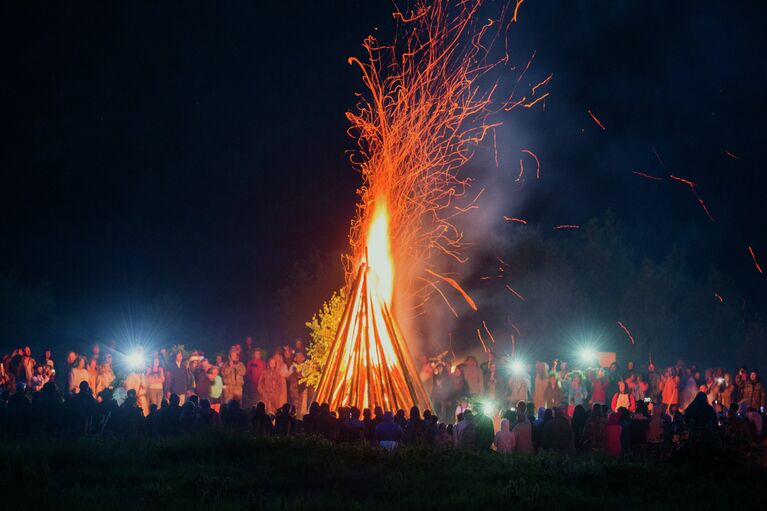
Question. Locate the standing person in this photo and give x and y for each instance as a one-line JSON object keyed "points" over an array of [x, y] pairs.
{"points": [[519, 387], [740, 381], [69, 364], [523, 431], [155, 383], [105, 376], [578, 424], [441, 390], [594, 432], [177, 378], [297, 391], [641, 388], [93, 372], [27, 367], [727, 392], [388, 434], [553, 395], [40, 378], [233, 374], [670, 389], [690, 390], [460, 389], [623, 399], [201, 381], [136, 381], [556, 433], [753, 393], [541, 381], [77, 375], [653, 383], [473, 375], [256, 366], [272, 386], [216, 387], [48, 361], [599, 388], [504, 439], [578, 394], [491, 383]]}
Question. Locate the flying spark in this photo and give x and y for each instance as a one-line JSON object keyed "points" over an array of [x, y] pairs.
{"points": [[566, 226], [484, 346], [457, 288], [488, 331], [719, 297], [537, 163], [515, 293], [516, 10], [631, 337], [596, 120], [544, 82], [514, 219], [648, 176], [731, 155], [753, 256], [692, 186]]}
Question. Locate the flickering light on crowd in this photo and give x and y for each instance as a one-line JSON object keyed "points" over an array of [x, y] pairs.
{"points": [[587, 355], [135, 360], [517, 366]]}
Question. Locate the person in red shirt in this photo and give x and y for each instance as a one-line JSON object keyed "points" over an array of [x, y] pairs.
{"points": [[599, 389]]}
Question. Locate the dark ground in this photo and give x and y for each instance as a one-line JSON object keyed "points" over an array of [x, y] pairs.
{"points": [[237, 472]]}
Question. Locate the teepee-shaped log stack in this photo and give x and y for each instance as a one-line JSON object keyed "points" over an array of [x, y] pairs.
{"points": [[369, 363]]}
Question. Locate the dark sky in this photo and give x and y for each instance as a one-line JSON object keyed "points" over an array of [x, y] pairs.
{"points": [[197, 149]]}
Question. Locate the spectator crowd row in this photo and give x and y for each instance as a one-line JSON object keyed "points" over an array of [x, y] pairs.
{"points": [[502, 405]]}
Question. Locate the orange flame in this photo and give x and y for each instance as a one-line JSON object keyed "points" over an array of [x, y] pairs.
{"points": [[379, 256]]}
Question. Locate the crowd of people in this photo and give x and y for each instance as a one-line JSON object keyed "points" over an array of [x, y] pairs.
{"points": [[501, 405]]}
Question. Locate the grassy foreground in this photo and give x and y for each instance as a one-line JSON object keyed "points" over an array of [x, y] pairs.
{"points": [[221, 472]]}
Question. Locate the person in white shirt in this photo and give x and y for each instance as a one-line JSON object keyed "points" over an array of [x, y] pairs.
{"points": [[77, 375]]}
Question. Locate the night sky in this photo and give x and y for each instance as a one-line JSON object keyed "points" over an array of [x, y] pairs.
{"points": [[195, 153]]}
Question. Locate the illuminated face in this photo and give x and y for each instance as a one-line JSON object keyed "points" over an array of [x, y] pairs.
{"points": [[179, 357], [753, 376]]}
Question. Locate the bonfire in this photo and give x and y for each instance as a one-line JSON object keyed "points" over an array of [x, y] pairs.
{"points": [[425, 110]]}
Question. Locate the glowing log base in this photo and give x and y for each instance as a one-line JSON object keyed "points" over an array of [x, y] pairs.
{"points": [[369, 363]]}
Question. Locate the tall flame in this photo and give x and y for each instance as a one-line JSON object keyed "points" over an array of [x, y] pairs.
{"points": [[379, 255]]}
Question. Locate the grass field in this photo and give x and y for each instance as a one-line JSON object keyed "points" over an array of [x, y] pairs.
{"points": [[223, 472]]}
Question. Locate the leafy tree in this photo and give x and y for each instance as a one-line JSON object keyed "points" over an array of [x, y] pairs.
{"points": [[322, 327]]}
